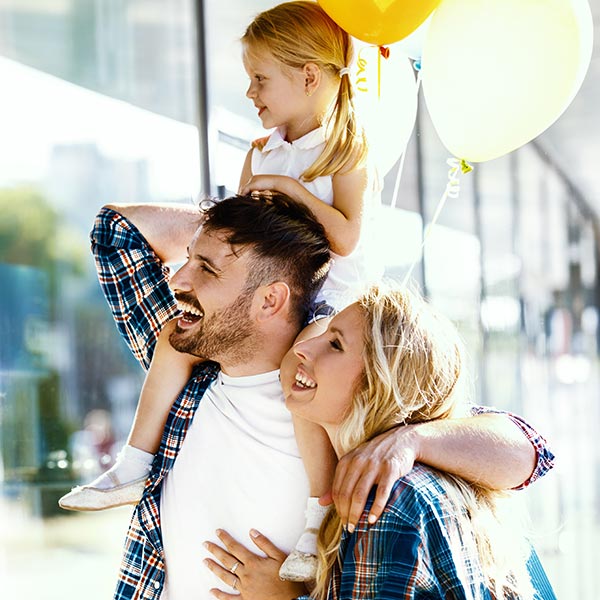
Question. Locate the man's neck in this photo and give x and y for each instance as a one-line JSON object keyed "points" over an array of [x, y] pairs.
{"points": [[261, 357]]}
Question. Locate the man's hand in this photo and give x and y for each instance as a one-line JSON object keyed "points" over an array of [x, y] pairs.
{"points": [[380, 461]]}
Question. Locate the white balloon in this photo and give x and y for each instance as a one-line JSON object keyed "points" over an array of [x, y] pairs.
{"points": [[497, 73], [385, 94]]}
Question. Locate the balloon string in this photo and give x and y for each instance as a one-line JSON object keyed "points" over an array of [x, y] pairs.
{"points": [[401, 166], [452, 190]]}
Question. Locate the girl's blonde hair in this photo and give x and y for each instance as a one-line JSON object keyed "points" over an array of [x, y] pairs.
{"points": [[300, 32], [414, 372]]}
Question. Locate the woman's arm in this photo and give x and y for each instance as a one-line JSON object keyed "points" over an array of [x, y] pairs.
{"points": [[489, 449]]}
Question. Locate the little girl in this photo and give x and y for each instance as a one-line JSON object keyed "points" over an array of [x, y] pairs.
{"points": [[298, 61]]}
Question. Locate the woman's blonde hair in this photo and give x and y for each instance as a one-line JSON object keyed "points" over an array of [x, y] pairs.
{"points": [[414, 372], [300, 32]]}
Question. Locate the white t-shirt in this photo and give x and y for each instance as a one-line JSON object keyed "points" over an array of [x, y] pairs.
{"points": [[238, 468], [349, 275]]}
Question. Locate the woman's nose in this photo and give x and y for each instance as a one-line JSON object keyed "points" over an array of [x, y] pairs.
{"points": [[302, 350]]}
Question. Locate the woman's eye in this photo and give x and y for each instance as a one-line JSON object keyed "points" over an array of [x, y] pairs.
{"points": [[335, 344]]}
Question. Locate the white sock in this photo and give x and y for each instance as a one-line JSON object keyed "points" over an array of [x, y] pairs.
{"points": [[315, 513], [132, 463]]}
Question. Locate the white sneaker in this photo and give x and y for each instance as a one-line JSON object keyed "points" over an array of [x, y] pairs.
{"points": [[299, 566], [89, 498]]}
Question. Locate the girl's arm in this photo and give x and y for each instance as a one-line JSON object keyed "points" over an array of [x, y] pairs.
{"points": [[168, 373], [342, 221]]}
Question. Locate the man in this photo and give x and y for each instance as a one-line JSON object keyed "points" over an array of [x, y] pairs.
{"points": [[228, 458]]}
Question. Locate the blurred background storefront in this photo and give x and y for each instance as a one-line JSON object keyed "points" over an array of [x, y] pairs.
{"points": [[111, 101]]}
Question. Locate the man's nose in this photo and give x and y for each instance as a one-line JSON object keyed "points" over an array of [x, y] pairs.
{"points": [[180, 281]]}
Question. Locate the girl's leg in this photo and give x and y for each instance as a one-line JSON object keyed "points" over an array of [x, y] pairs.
{"points": [[319, 461], [169, 372]]}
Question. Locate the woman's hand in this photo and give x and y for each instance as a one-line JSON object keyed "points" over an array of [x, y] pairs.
{"points": [[254, 577], [380, 461]]}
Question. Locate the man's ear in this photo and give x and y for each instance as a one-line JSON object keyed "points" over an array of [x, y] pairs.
{"points": [[272, 299], [312, 77]]}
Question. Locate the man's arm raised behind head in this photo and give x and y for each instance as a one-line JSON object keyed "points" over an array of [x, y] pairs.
{"points": [[168, 228]]}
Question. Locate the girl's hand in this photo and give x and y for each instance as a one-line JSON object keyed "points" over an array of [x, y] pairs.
{"points": [[255, 577], [273, 183]]}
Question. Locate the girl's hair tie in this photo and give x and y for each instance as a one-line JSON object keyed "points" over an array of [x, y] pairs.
{"points": [[344, 71]]}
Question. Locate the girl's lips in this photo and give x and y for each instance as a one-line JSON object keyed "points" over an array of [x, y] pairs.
{"points": [[261, 110]]}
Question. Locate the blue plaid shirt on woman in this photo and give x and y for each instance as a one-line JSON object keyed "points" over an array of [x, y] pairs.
{"points": [[416, 550], [135, 283]]}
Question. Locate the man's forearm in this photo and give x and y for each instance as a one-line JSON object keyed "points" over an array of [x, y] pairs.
{"points": [[168, 228], [488, 449]]}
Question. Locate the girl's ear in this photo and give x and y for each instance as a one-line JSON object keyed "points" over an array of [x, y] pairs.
{"points": [[312, 77]]}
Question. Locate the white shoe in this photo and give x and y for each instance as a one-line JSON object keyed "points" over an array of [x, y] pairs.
{"points": [[299, 566], [89, 498]]}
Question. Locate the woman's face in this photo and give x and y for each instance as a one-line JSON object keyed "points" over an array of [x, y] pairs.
{"points": [[319, 375]]}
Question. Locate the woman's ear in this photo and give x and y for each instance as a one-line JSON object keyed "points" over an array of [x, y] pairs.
{"points": [[312, 77], [272, 299]]}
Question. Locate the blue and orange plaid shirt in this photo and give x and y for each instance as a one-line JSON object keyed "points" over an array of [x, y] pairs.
{"points": [[135, 283], [417, 550]]}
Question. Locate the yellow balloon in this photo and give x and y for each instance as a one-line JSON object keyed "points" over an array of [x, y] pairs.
{"points": [[379, 21], [497, 73]]}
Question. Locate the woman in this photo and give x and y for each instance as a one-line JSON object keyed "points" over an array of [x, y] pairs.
{"points": [[385, 361]]}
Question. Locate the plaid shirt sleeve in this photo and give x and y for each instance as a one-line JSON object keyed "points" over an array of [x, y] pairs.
{"points": [[134, 281], [545, 458]]}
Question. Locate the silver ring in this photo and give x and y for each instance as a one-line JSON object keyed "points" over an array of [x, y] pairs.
{"points": [[236, 564], [234, 584]]}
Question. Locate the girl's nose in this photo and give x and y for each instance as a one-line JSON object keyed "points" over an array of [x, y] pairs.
{"points": [[250, 92]]}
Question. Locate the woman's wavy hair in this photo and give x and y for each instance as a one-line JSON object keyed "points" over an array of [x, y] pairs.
{"points": [[300, 32], [415, 372]]}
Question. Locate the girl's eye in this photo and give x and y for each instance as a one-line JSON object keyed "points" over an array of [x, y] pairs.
{"points": [[258, 77]]}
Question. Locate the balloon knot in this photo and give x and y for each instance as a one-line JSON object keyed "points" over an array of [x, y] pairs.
{"points": [[384, 51], [465, 167]]}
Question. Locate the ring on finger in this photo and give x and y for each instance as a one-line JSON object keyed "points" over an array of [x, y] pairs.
{"points": [[235, 565], [234, 584]]}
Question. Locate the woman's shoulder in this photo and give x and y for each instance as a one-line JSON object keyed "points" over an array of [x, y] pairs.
{"points": [[419, 493]]}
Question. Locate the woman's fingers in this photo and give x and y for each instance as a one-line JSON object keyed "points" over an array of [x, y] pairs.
{"points": [[225, 558], [237, 550], [267, 546], [223, 574]]}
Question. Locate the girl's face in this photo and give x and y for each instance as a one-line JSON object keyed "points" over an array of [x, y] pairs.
{"points": [[279, 95], [319, 375]]}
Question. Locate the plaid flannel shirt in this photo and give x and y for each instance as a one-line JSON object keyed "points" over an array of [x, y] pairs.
{"points": [[415, 550], [135, 283]]}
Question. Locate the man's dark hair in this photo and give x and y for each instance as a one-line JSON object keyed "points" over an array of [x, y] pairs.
{"points": [[287, 241]]}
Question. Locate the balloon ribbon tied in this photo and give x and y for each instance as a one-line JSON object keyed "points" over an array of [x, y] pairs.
{"points": [[452, 190], [385, 52]]}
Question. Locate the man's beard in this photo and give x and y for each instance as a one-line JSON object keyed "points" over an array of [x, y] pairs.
{"points": [[226, 336]]}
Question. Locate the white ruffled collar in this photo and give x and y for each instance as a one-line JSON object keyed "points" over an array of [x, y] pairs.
{"points": [[308, 141]]}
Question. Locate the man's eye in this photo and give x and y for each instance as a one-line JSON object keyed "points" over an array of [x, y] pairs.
{"points": [[207, 270]]}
